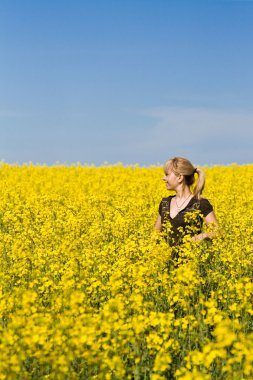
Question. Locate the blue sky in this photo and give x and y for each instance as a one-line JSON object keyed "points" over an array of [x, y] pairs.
{"points": [[131, 81]]}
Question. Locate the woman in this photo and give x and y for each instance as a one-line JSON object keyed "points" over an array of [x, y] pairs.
{"points": [[183, 213]]}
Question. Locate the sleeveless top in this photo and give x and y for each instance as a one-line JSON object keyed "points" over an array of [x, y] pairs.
{"points": [[188, 221]]}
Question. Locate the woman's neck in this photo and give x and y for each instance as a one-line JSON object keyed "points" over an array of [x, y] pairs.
{"points": [[183, 193]]}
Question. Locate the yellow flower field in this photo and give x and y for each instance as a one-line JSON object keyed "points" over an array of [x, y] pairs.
{"points": [[88, 292]]}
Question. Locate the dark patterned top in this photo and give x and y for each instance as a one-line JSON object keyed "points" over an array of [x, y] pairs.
{"points": [[188, 221]]}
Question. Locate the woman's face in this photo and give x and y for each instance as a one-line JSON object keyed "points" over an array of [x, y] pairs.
{"points": [[170, 179]]}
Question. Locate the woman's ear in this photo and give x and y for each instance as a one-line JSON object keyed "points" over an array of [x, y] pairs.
{"points": [[180, 178]]}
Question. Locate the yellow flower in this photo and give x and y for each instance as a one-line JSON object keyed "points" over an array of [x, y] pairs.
{"points": [[89, 291]]}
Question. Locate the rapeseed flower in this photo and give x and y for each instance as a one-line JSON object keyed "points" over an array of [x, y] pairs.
{"points": [[89, 291]]}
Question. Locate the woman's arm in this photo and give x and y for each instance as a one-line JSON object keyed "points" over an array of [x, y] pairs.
{"points": [[158, 224], [210, 220]]}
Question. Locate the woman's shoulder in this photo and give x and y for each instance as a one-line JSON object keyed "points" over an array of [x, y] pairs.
{"points": [[204, 200], [167, 199], [205, 206], [165, 204]]}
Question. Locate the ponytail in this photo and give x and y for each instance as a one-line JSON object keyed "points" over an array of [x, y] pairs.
{"points": [[197, 191]]}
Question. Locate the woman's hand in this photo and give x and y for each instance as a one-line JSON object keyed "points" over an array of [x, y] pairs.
{"points": [[213, 227], [202, 236]]}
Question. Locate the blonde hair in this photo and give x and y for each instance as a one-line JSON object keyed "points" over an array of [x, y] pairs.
{"points": [[180, 165]]}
